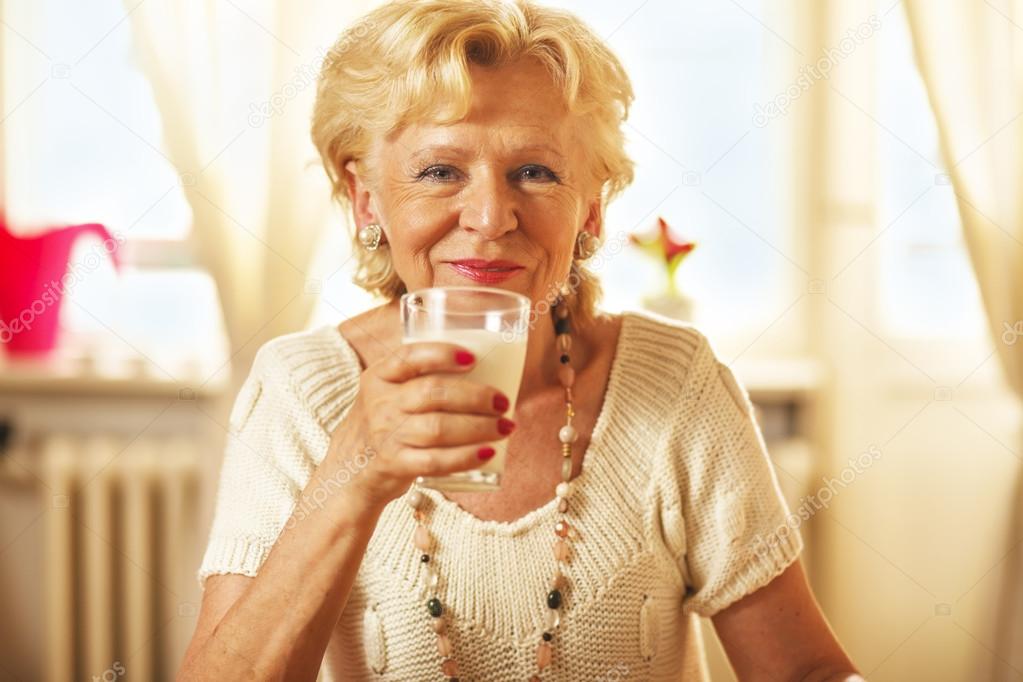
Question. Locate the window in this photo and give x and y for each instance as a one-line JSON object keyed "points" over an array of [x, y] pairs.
{"points": [[698, 70], [928, 289], [82, 142], [82, 134]]}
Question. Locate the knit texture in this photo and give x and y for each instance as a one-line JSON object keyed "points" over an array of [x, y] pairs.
{"points": [[677, 506]]}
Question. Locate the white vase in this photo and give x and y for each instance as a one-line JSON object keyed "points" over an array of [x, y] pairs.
{"points": [[675, 305]]}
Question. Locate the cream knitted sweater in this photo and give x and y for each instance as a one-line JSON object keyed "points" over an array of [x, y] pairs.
{"points": [[678, 509]]}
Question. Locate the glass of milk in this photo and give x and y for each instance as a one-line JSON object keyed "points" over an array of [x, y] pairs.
{"points": [[493, 324]]}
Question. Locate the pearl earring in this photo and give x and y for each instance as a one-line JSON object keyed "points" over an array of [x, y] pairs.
{"points": [[369, 236], [586, 245]]}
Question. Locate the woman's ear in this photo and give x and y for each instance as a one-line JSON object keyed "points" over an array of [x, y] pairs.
{"points": [[360, 196], [594, 223]]}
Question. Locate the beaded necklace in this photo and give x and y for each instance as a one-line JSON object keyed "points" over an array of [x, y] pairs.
{"points": [[423, 540]]}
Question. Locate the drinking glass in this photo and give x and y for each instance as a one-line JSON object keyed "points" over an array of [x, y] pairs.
{"points": [[493, 324]]}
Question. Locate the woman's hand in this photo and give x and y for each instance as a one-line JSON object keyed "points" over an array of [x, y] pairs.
{"points": [[416, 415]]}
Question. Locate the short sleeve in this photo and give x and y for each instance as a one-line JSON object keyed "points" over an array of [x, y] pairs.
{"points": [[739, 532], [265, 467]]}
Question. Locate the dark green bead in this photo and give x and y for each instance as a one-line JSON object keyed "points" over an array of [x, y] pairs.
{"points": [[564, 359], [554, 599], [435, 607], [561, 326], [547, 636]]}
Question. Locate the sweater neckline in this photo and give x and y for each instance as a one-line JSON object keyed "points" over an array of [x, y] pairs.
{"points": [[592, 461]]}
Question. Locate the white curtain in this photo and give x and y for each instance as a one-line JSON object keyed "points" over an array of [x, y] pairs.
{"points": [[234, 81], [971, 56]]}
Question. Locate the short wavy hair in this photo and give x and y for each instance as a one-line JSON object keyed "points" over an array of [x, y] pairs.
{"points": [[409, 59]]}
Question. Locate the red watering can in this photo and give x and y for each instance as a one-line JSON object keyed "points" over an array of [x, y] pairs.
{"points": [[34, 277]]}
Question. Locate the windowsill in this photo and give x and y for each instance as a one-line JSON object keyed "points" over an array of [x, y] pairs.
{"points": [[144, 332], [70, 374]]}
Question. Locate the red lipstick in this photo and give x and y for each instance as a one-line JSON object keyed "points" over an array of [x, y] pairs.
{"points": [[485, 271]]}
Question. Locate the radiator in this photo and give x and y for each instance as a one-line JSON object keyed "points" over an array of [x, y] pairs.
{"points": [[118, 538]]}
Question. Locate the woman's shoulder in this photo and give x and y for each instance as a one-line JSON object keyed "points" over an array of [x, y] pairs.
{"points": [[648, 323], [315, 371], [294, 354], [661, 347]]}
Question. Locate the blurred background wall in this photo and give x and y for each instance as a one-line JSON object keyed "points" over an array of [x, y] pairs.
{"points": [[846, 174]]}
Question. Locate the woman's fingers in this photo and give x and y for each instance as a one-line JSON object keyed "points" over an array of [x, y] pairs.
{"points": [[424, 357], [446, 393], [442, 429], [413, 462], [424, 417]]}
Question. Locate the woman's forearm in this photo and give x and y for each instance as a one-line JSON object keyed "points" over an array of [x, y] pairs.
{"points": [[280, 627]]}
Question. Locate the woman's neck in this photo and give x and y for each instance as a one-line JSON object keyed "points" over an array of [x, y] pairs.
{"points": [[543, 357]]}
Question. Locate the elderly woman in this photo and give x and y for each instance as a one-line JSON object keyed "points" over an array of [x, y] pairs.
{"points": [[478, 143]]}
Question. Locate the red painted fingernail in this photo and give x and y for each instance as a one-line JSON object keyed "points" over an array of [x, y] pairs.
{"points": [[500, 402], [464, 357], [505, 426], [485, 453]]}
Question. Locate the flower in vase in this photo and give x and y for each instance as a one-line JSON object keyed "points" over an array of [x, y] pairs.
{"points": [[665, 249]]}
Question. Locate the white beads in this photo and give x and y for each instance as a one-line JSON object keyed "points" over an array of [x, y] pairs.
{"points": [[566, 468], [568, 434], [424, 540]]}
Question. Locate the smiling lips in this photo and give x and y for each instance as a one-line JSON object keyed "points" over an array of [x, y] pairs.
{"points": [[485, 271]]}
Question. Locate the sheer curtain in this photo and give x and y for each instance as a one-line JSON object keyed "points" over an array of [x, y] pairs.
{"points": [[971, 58], [234, 81]]}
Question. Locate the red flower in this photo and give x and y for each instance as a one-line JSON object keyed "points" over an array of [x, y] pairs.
{"points": [[664, 246]]}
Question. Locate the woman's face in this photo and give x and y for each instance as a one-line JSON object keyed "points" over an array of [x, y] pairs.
{"points": [[496, 199]]}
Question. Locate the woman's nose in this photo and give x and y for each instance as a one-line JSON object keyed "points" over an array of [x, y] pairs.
{"points": [[489, 207]]}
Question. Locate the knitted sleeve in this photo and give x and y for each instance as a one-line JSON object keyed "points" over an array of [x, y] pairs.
{"points": [[737, 535], [266, 464]]}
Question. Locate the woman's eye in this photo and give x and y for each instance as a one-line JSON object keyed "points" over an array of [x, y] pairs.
{"points": [[538, 173], [439, 173]]}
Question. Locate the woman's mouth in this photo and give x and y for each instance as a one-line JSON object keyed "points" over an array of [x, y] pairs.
{"points": [[485, 271]]}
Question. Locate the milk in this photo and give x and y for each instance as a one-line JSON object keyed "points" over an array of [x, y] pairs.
{"points": [[500, 358]]}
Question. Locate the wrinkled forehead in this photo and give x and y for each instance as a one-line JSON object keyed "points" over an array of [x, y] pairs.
{"points": [[469, 139], [516, 107]]}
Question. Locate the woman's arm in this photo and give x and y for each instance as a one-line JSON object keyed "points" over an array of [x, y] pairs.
{"points": [[414, 415], [277, 625], [778, 633]]}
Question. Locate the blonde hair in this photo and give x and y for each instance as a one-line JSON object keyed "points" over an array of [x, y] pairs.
{"points": [[403, 59]]}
